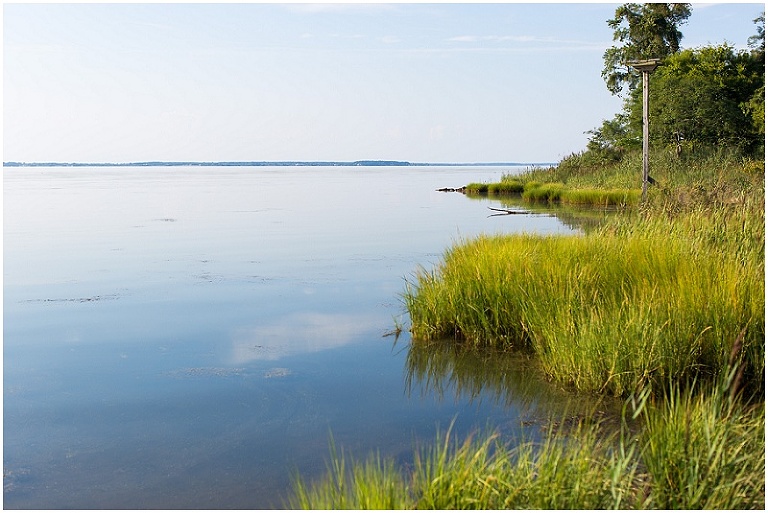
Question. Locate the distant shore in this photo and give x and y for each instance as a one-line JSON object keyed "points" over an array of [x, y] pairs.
{"points": [[268, 163]]}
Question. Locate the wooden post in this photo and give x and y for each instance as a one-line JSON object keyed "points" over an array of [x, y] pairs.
{"points": [[646, 143], [645, 67]]}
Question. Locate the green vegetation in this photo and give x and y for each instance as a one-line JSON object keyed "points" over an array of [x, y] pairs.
{"points": [[554, 192], [661, 305], [704, 450], [707, 97], [643, 31], [651, 295], [509, 186], [560, 185], [697, 451]]}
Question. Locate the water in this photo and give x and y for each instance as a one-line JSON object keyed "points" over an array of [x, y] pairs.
{"points": [[191, 337]]}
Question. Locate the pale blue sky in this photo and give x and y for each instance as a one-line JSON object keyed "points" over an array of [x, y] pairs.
{"points": [[418, 82]]}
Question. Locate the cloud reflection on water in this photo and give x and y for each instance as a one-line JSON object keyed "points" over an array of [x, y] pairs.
{"points": [[300, 333]]}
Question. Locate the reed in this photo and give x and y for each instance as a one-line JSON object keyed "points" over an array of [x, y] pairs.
{"points": [[608, 312], [373, 484], [692, 449], [663, 304], [574, 471], [704, 451], [601, 198], [653, 294], [476, 188], [555, 192]]}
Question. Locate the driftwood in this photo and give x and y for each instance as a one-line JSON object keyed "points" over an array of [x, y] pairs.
{"points": [[501, 211], [507, 212]]}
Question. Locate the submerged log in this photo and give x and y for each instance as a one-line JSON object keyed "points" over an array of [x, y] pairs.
{"points": [[506, 211]]}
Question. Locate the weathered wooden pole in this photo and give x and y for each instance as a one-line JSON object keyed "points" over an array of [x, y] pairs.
{"points": [[646, 67], [646, 142]]}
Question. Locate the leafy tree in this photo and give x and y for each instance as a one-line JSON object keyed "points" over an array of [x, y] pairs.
{"points": [[701, 98], [645, 31], [756, 105], [756, 109], [757, 42], [613, 139], [705, 95]]}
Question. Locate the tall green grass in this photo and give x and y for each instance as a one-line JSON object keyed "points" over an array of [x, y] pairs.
{"points": [[601, 198], [606, 312], [701, 178], [500, 188], [692, 450], [655, 294], [704, 451], [555, 192], [574, 471], [664, 304], [373, 484], [670, 173], [560, 193]]}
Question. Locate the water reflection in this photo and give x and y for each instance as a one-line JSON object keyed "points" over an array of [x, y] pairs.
{"points": [[510, 379], [576, 217], [300, 333], [186, 337]]}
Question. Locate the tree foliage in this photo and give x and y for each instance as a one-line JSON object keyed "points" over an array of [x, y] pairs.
{"points": [[713, 96], [612, 140], [704, 95], [644, 31], [756, 105], [757, 42]]}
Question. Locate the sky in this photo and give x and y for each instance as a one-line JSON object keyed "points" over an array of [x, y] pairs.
{"points": [[458, 82]]}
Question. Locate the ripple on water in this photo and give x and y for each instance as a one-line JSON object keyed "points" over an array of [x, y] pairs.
{"points": [[225, 372]]}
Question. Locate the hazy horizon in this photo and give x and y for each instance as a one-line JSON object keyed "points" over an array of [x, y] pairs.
{"points": [[245, 163], [274, 82]]}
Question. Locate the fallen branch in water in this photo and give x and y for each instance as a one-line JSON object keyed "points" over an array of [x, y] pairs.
{"points": [[506, 211]]}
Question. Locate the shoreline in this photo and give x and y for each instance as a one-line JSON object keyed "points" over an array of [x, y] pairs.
{"points": [[276, 163]]}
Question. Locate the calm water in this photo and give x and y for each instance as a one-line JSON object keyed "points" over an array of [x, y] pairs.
{"points": [[190, 337]]}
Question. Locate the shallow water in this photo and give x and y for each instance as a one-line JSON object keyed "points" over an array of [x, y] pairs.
{"points": [[191, 337]]}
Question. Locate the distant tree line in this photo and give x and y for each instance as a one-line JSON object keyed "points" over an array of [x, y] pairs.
{"points": [[705, 98]]}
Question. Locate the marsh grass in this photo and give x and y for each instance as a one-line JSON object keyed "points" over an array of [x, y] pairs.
{"points": [[693, 449], [476, 188], [704, 451], [605, 313], [652, 295], [550, 192], [372, 484], [703, 179], [555, 192], [664, 304], [574, 471], [602, 198]]}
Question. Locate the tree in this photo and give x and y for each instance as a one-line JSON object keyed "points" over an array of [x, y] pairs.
{"points": [[707, 97], [645, 31], [613, 139], [704, 94], [757, 42], [756, 105]]}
